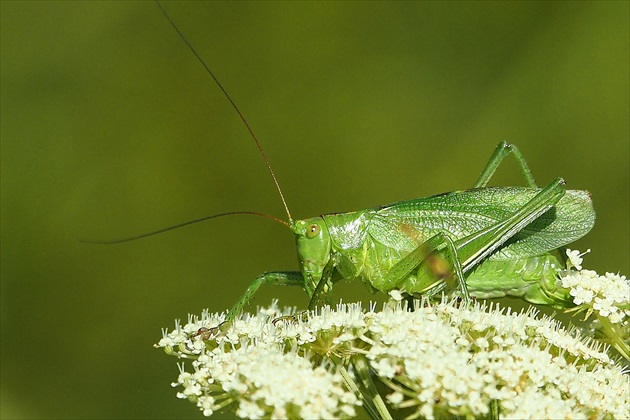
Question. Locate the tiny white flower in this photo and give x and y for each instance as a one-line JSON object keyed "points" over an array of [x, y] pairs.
{"points": [[575, 258], [249, 410], [206, 405], [396, 295], [603, 306], [581, 295], [616, 317], [395, 398]]}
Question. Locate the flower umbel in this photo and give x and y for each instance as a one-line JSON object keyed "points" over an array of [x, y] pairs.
{"points": [[441, 359], [607, 297]]}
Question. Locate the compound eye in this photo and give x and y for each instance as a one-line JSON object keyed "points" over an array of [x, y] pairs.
{"points": [[312, 231]]}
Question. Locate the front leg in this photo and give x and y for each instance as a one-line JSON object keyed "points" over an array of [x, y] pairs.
{"points": [[321, 294], [278, 278]]}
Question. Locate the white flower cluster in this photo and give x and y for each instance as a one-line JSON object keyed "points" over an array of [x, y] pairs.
{"points": [[439, 360], [247, 370], [264, 381], [456, 361], [608, 295]]}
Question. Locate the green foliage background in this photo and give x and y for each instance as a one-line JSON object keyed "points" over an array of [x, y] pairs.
{"points": [[111, 128]]}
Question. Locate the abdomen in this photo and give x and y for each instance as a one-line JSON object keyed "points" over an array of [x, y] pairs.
{"points": [[533, 279]]}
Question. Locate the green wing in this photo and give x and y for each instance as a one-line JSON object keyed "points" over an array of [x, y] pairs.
{"points": [[407, 224]]}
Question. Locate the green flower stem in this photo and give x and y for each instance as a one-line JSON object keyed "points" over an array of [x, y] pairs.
{"points": [[372, 394], [612, 332]]}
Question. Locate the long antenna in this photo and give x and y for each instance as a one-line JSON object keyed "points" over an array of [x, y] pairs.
{"points": [[190, 222], [251, 132]]}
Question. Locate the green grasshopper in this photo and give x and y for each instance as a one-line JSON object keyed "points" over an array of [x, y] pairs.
{"points": [[483, 243], [479, 243]]}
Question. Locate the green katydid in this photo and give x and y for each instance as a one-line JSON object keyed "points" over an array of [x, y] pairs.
{"points": [[481, 234], [458, 243]]}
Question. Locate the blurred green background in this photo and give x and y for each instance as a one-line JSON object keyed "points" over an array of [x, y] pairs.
{"points": [[110, 128]]}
